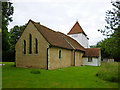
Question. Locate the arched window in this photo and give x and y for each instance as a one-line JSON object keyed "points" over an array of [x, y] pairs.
{"points": [[59, 54], [24, 49], [30, 44], [36, 45]]}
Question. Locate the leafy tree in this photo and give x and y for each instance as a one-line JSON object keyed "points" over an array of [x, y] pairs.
{"points": [[112, 30], [113, 20], [103, 46], [93, 46], [15, 33], [7, 11]]}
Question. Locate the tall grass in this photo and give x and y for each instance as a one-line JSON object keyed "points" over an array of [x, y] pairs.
{"points": [[108, 71]]}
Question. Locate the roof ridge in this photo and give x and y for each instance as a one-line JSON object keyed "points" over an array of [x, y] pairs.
{"points": [[53, 37], [50, 30], [61, 36], [33, 21], [72, 39]]}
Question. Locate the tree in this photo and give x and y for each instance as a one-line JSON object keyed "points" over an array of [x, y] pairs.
{"points": [[112, 30], [14, 35], [104, 48], [7, 11], [113, 20]]}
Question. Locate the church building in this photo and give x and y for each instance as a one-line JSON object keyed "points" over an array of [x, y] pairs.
{"points": [[42, 47]]}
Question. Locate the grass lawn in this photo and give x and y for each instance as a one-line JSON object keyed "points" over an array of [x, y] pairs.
{"points": [[109, 71], [70, 77]]}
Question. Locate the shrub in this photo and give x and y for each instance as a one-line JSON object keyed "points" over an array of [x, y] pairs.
{"points": [[108, 72], [35, 72]]}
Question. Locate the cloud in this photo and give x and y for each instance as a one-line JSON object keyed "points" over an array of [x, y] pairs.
{"points": [[59, 1], [61, 15]]}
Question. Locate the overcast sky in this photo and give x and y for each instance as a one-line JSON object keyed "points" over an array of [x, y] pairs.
{"points": [[61, 15]]}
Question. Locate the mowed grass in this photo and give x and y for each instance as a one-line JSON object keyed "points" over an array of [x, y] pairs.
{"points": [[70, 77], [109, 71]]}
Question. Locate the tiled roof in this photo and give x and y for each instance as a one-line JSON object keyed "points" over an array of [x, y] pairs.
{"points": [[92, 52], [76, 29], [72, 42], [58, 39]]}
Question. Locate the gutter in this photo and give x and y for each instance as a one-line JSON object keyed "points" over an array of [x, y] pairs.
{"points": [[74, 57], [98, 61], [48, 57]]}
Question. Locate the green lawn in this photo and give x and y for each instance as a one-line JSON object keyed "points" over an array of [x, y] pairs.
{"points": [[70, 77], [109, 71]]}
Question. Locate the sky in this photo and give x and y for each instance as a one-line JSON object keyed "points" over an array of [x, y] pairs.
{"points": [[61, 15]]}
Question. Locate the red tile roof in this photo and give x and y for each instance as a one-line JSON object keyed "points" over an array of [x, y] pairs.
{"points": [[58, 39], [76, 29], [92, 52]]}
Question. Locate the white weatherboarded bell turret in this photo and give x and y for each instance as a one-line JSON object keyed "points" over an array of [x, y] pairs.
{"points": [[79, 35]]}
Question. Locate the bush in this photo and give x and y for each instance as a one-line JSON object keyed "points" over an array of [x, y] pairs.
{"points": [[35, 72], [108, 71]]}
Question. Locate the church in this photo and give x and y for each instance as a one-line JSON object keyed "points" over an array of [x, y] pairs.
{"points": [[42, 47]]}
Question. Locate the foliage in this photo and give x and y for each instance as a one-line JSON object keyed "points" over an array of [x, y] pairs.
{"points": [[109, 71], [112, 31], [93, 46], [113, 20], [69, 77], [107, 51], [7, 11], [14, 35]]}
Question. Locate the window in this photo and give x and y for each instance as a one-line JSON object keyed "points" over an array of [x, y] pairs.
{"points": [[89, 59], [59, 54], [36, 46], [24, 49], [30, 44]]}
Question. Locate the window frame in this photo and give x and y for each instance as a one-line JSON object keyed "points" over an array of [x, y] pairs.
{"points": [[30, 43], [24, 47], [60, 54], [89, 59], [36, 46]]}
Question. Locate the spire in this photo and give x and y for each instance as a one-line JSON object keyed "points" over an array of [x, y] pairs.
{"points": [[76, 29]]}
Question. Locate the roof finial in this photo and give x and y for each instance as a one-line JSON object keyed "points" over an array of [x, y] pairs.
{"points": [[76, 20]]}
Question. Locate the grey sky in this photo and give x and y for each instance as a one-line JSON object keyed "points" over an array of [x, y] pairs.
{"points": [[61, 15]]}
